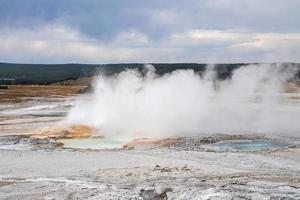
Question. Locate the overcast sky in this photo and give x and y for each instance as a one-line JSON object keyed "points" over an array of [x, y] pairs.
{"points": [[113, 31]]}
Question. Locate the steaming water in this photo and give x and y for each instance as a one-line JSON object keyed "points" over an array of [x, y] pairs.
{"points": [[186, 103]]}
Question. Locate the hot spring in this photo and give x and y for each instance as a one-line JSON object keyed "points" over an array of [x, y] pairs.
{"points": [[187, 103], [93, 143], [250, 145]]}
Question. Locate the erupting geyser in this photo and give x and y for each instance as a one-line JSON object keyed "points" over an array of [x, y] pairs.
{"points": [[185, 102]]}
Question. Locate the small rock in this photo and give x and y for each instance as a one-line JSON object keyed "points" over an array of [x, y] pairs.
{"points": [[157, 193]]}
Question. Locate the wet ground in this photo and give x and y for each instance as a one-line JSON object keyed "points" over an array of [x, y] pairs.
{"points": [[24, 109]]}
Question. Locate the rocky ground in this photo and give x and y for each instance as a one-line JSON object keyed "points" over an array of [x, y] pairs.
{"points": [[45, 170]]}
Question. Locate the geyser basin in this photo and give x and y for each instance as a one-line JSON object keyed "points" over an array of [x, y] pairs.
{"points": [[250, 145], [93, 143]]}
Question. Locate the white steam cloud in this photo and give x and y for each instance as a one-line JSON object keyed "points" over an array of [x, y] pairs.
{"points": [[184, 102]]}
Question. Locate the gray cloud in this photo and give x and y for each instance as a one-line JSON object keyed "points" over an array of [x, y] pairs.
{"points": [[149, 31]]}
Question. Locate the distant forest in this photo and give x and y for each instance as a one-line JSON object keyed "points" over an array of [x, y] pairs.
{"points": [[49, 73]]}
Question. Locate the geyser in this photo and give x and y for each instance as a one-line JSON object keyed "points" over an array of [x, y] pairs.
{"points": [[185, 102]]}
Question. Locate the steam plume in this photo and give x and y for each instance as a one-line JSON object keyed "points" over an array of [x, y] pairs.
{"points": [[185, 102]]}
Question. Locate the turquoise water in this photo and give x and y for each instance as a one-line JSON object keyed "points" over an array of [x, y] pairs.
{"points": [[93, 143], [249, 145]]}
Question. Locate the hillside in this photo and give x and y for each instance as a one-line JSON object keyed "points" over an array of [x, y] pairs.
{"points": [[50, 73]]}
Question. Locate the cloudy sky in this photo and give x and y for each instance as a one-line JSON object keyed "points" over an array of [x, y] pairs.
{"points": [[113, 31]]}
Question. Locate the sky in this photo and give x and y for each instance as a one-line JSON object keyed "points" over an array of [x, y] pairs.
{"points": [[148, 31]]}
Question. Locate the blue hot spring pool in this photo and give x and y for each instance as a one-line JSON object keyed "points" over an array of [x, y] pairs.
{"points": [[250, 145], [94, 143]]}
